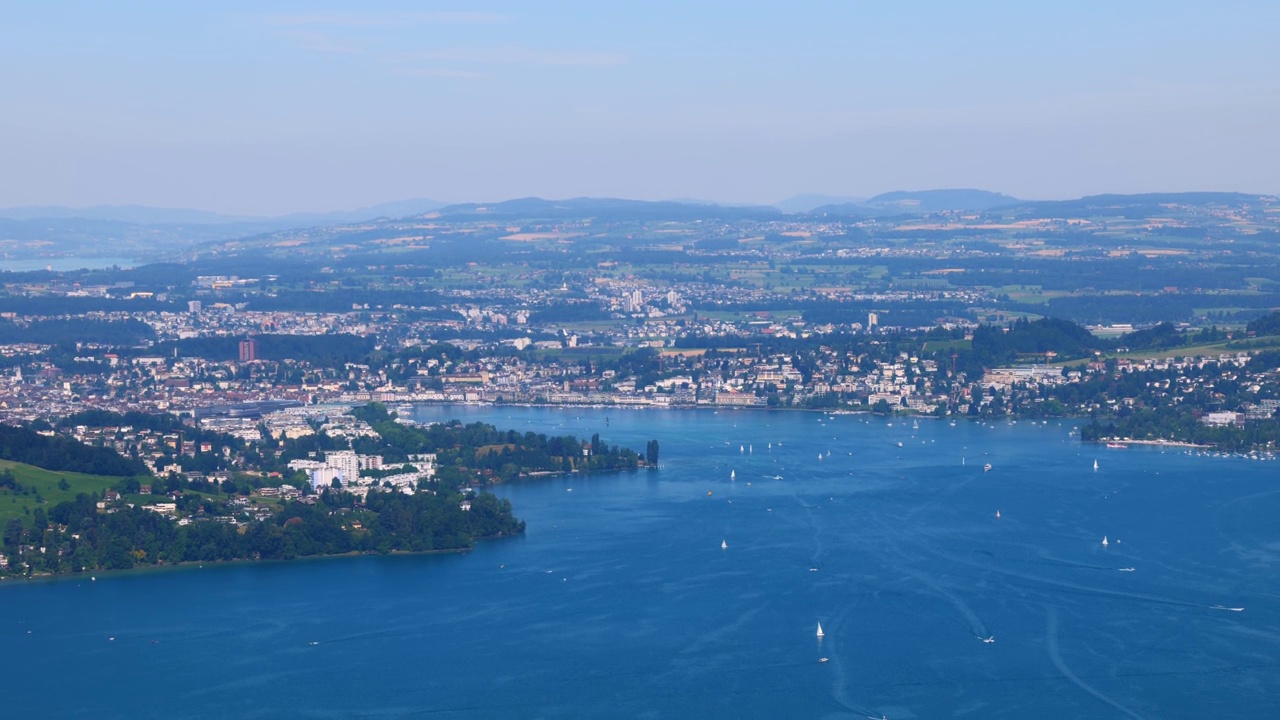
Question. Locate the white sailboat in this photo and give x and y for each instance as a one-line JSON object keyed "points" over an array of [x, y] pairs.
{"points": [[733, 474], [724, 544], [1095, 466], [997, 514], [1104, 541], [820, 633]]}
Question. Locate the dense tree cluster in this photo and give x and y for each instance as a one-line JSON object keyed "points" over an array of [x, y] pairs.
{"points": [[60, 453], [320, 350], [1267, 325], [69, 331], [466, 452], [77, 537]]}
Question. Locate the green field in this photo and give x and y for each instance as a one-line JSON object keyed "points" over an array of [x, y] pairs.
{"points": [[41, 489]]}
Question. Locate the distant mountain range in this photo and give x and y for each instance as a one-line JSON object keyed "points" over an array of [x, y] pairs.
{"points": [[921, 202], [147, 233], [611, 208], [1137, 205], [143, 233], [809, 201], [145, 215]]}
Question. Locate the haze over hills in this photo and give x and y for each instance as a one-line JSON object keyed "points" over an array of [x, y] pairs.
{"points": [[147, 234], [146, 215], [533, 207], [142, 232], [1135, 205], [921, 202], [806, 202]]}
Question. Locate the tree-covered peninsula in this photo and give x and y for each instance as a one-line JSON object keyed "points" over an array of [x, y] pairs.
{"points": [[364, 482]]}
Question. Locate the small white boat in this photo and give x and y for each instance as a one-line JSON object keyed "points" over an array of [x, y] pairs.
{"points": [[1095, 466], [989, 639], [724, 545], [822, 660], [820, 633], [1127, 569], [997, 514], [1104, 541], [986, 468], [733, 474]]}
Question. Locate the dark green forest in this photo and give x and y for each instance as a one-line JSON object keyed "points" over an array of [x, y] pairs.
{"points": [[131, 537], [61, 453]]}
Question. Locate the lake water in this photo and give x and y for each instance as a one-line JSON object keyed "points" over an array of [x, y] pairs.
{"points": [[620, 601]]}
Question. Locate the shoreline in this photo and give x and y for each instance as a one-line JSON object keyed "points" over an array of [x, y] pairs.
{"points": [[1158, 443], [952, 417], [91, 575]]}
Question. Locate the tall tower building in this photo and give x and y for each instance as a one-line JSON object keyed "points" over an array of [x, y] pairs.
{"points": [[248, 350]]}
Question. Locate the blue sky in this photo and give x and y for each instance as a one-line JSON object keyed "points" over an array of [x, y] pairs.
{"points": [[270, 107]]}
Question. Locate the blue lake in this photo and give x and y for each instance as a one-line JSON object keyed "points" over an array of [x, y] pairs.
{"points": [[621, 602]]}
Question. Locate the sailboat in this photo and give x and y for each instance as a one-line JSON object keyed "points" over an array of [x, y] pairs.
{"points": [[997, 514], [733, 474], [1095, 466], [724, 544], [820, 633], [1104, 541]]}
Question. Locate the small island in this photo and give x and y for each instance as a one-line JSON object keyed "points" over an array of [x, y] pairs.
{"points": [[363, 481]]}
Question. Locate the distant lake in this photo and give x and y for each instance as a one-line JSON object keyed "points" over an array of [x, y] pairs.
{"points": [[63, 263], [621, 602]]}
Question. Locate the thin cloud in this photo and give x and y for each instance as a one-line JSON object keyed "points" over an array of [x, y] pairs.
{"points": [[442, 73], [518, 56], [319, 42], [382, 19]]}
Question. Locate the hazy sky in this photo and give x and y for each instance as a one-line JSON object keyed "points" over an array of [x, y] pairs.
{"points": [[268, 107]]}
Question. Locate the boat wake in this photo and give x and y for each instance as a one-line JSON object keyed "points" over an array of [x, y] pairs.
{"points": [[1055, 655]]}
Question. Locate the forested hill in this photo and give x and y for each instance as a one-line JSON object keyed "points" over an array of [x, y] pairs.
{"points": [[59, 453], [336, 524], [481, 451], [1268, 325]]}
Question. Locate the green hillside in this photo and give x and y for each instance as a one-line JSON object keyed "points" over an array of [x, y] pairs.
{"points": [[37, 487]]}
